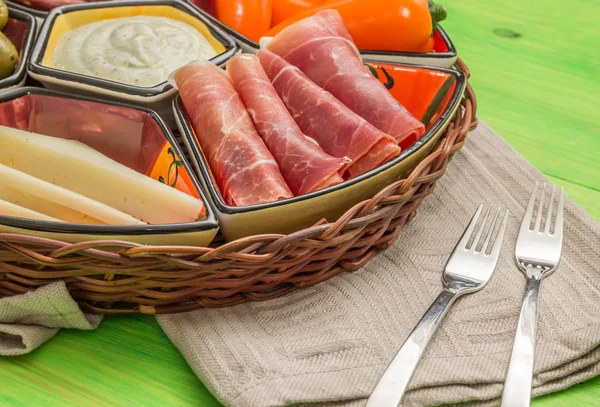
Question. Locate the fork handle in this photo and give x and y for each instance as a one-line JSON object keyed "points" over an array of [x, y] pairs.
{"points": [[393, 383], [517, 388]]}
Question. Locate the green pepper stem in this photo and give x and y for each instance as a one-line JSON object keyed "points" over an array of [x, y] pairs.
{"points": [[438, 13]]}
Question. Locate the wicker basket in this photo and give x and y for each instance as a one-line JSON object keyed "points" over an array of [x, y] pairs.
{"points": [[122, 277]]}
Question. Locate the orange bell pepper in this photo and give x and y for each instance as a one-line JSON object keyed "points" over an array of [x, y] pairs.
{"points": [[391, 25], [251, 18], [283, 9]]}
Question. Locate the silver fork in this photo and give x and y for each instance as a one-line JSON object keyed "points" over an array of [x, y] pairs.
{"points": [[537, 254], [468, 270]]}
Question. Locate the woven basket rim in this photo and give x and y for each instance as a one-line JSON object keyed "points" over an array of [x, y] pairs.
{"points": [[113, 276]]}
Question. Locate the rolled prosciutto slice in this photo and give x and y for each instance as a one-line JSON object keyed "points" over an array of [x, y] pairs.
{"points": [[337, 129], [322, 48], [241, 163], [304, 165]]}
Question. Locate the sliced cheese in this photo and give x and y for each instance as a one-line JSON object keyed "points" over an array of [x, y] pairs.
{"points": [[41, 192], [20, 197], [10, 209], [81, 169]]}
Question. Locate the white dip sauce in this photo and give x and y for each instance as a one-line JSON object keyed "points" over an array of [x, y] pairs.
{"points": [[139, 51]]}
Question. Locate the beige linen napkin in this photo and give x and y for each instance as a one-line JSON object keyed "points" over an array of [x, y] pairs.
{"points": [[329, 344], [29, 320]]}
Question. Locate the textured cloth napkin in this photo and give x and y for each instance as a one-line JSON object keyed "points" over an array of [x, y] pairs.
{"points": [[29, 320], [330, 344]]}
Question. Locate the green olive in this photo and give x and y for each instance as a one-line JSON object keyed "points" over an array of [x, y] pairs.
{"points": [[3, 14], [8, 57]]}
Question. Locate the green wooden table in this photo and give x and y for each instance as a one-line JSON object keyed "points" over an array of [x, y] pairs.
{"points": [[535, 67]]}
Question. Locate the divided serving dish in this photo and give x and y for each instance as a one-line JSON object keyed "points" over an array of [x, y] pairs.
{"points": [[38, 14], [430, 94], [21, 30], [273, 248], [126, 277], [65, 18], [133, 136]]}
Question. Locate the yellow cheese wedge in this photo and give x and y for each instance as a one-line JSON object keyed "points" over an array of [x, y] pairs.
{"points": [[81, 169], [20, 197], [32, 193], [10, 209]]}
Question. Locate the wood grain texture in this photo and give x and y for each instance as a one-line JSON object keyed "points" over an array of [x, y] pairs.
{"points": [[538, 87], [536, 71]]}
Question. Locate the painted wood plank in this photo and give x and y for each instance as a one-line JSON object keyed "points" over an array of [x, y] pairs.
{"points": [[585, 197], [127, 362], [539, 86]]}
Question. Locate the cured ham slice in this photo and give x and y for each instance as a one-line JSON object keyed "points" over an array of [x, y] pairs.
{"points": [[242, 165], [338, 130], [322, 48], [304, 165]]}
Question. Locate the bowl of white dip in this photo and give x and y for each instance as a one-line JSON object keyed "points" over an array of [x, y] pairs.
{"points": [[125, 50]]}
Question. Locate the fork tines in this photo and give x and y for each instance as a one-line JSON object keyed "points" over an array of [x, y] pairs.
{"points": [[538, 205], [489, 246]]}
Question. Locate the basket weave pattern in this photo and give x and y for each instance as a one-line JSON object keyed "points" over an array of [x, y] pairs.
{"points": [[123, 277]]}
